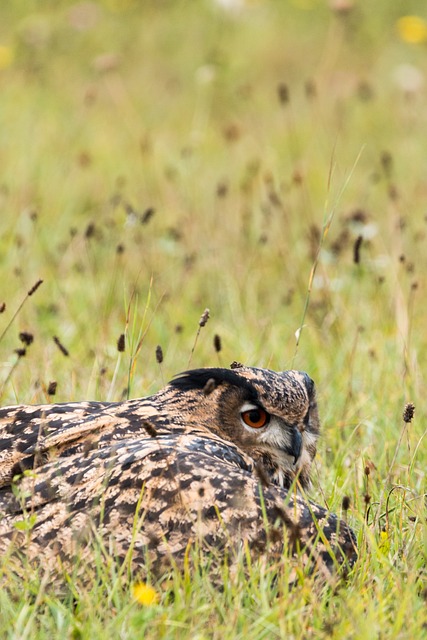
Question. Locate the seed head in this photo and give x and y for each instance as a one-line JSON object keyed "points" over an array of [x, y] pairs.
{"points": [[356, 249], [283, 93], [159, 354], [217, 343], [149, 428], [222, 189], [35, 287], [346, 503], [408, 412], [204, 318], [121, 343], [90, 230], [60, 346], [26, 338], [147, 215], [51, 390]]}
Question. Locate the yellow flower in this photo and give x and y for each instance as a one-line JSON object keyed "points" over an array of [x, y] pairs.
{"points": [[384, 543], [6, 57], [144, 594], [412, 29]]}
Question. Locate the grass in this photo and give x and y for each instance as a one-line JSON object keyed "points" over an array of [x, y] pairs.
{"points": [[257, 137]]}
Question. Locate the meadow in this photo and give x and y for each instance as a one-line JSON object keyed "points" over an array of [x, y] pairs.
{"points": [[263, 159]]}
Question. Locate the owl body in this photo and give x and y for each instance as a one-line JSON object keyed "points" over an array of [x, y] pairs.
{"points": [[214, 460]]}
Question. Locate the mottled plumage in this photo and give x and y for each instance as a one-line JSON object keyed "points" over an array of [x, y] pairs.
{"points": [[215, 459]]}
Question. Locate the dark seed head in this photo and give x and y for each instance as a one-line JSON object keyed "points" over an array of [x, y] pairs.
{"points": [[51, 390], [90, 230], [204, 318], [222, 189], [149, 428], [159, 354], [217, 343], [20, 352], [2, 307], [346, 503], [35, 287], [236, 365], [60, 346], [26, 338], [356, 249], [408, 412], [121, 343], [147, 215], [283, 93]]}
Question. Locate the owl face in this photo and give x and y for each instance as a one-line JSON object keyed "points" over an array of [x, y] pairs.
{"points": [[271, 415]]}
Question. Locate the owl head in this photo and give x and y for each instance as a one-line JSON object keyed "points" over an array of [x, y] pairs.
{"points": [[270, 415]]}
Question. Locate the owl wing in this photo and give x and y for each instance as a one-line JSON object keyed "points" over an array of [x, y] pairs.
{"points": [[31, 435], [149, 500]]}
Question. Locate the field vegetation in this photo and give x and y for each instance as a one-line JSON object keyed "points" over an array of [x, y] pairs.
{"points": [[263, 159]]}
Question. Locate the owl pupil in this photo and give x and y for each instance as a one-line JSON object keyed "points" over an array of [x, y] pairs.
{"points": [[254, 416]]}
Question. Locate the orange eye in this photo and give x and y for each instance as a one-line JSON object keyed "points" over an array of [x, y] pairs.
{"points": [[255, 417]]}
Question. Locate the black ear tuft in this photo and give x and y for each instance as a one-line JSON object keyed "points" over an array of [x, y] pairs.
{"points": [[309, 384], [198, 378]]}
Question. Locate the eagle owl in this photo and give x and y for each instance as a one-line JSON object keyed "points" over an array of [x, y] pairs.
{"points": [[217, 459]]}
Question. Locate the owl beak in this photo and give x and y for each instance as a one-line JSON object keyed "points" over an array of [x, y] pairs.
{"points": [[296, 446]]}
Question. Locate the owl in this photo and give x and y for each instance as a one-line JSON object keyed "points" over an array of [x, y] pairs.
{"points": [[219, 460]]}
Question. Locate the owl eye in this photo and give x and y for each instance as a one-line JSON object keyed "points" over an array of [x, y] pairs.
{"points": [[255, 417]]}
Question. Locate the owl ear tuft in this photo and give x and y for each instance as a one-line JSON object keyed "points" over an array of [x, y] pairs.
{"points": [[199, 378]]}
